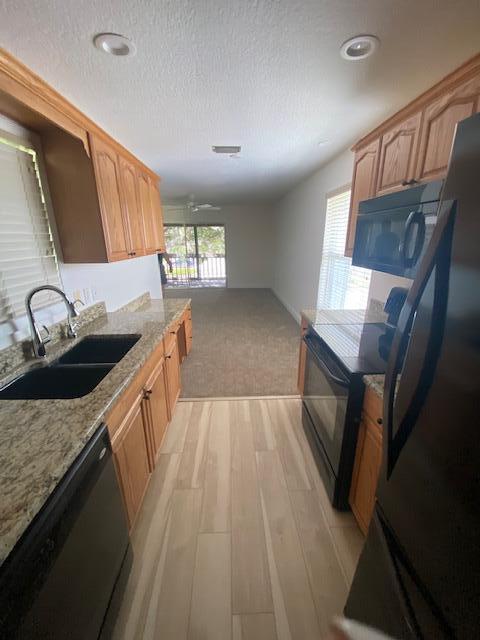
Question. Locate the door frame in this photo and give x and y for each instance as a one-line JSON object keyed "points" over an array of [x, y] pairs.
{"points": [[195, 226]]}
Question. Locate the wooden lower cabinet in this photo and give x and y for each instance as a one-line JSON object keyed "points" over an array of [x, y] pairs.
{"points": [[172, 367], [155, 409], [185, 335], [368, 459], [131, 459], [139, 420], [188, 330]]}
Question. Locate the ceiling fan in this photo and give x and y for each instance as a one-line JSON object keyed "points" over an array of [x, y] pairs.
{"points": [[195, 207]]}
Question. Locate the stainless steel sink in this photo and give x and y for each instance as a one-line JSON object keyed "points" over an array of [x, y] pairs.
{"points": [[55, 382], [108, 349]]}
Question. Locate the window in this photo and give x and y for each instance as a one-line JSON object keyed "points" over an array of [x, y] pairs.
{"points": [[341, 285], [27, 253], [197, 255]]}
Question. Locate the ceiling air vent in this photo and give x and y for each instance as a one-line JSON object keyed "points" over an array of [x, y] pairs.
{"points": [[226, 149]]}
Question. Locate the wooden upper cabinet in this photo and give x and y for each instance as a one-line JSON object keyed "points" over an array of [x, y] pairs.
{"points": [[438, 128], [133, 210], [115, 224], [147, 212], [398, 150], [157, 216], [363, 186]]}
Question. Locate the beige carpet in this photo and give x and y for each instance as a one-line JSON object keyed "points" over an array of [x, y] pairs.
{"points": [[245, 343]]}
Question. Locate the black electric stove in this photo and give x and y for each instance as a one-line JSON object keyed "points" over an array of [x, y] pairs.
{"points": [[338, 355], [359, 348]]}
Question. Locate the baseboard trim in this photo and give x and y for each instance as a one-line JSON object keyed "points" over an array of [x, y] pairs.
{"points": [[232, 398], [288, 307]]}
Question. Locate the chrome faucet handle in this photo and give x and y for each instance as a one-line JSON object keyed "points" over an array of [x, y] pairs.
{"points": [[71, 329], [48, 337]]}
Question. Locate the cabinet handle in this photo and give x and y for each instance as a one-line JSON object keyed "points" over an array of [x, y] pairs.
{"points": [[168, 357], [147, 393], [408, 183], [379, 421]]}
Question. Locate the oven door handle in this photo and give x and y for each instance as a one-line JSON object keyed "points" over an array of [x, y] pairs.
{"points": [[340, 381]]}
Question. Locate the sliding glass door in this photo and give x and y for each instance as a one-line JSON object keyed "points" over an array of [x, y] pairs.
{"points": [[197, 255]]}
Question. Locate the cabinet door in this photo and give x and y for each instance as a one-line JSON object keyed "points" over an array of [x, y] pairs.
{"points": [[438, 128], [107, 175], [133, 210], [131, 458], [173, 377], [147, 212], [363, 186], [188, 333], [156, 404], [157, 216], [398, 155], [368, 458]]}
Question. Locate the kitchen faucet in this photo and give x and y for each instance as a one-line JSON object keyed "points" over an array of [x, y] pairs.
{"points": [[39, 342]]}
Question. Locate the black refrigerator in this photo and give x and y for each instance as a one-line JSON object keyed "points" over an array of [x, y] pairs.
{"points": [[419, 572]]}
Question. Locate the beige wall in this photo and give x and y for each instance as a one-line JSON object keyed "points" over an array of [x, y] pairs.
{"points": [[248, 239], [299, 223]]}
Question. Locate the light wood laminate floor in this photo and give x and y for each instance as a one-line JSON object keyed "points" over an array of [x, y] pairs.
{"points": [[236, 538]]}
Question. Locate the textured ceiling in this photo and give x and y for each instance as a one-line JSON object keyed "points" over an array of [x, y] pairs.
{"points": [[265, 74]]}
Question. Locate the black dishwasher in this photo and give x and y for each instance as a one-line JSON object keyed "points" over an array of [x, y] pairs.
{"points": [[58, 581]]}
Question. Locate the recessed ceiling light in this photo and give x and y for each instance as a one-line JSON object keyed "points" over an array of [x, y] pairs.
{"points": [[115, 44], [359, 47], [226, 149]]}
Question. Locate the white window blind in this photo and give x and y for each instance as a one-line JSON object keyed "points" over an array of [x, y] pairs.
{"points": [[341, 285], [27, 253]]}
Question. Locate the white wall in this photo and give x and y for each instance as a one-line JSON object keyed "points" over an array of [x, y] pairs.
{"points": [[299, 221], [248, 240], [381, 283], [116, 283]]}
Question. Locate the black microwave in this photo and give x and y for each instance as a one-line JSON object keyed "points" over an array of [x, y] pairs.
{"points": [[393, 231]]}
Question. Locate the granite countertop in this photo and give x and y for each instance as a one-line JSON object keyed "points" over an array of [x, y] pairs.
{"points": [[375, 382], [40, 439], [343, 316]]}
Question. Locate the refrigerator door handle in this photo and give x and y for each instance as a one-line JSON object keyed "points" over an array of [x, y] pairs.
{"points": [[405, 322]]}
